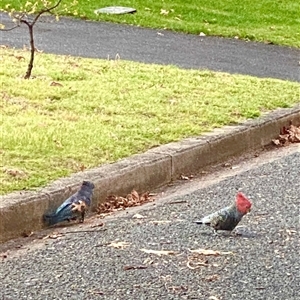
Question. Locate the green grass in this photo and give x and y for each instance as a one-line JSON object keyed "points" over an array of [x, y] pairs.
{"points": [[261, 20], [108, 110]]}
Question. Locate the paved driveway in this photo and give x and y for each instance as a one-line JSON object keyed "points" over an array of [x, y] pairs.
{"points": [[263, 263]]}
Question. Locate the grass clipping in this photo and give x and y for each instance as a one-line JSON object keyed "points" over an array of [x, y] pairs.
{"points": [[76, 113]]}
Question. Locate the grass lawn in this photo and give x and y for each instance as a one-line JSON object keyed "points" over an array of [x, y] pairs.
{"points": [[261, 20], [80, 113]]}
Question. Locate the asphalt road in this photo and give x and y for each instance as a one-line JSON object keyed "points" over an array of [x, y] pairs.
{"points": [[106, 40], [264, 263]]}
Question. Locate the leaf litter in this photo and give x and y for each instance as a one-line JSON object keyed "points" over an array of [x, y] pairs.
{"points": [[115, 203], [288, 135]]}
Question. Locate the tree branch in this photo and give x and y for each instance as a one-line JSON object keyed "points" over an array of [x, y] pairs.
{"points": [[44, 11], [9, 29], [25, 22], [17, 17]]}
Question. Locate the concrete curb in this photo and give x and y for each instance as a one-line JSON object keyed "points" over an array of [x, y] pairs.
{"points": [[22, 211]]}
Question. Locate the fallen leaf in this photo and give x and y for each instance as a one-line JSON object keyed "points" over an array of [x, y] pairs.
{"points": [[290, 134], [148, 261], [97, 225], [96, 292], [212, 278], [19, 57], [160, 222], [226, 165], [183, 177], [134, 195], [159, 252], [138, 216], [27, 234], [54, 236], [276, 142], [178, 288], [209, 252], [15, 173], [58, 144], [54, 83], [195, 262], [119, 245]]}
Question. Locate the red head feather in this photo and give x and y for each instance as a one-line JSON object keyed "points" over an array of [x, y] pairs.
{"points": [[242, 203]]}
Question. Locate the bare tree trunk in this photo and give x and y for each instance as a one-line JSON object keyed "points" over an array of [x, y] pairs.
{"points": [[32, 50]]}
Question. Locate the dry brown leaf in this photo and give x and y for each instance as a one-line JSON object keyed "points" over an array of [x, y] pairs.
{"points": [[54, 83], [209, 252], [178, 288], [54, 236], [195, 262], [82, 167], [19, 57], [148, 261], [119, 245], [212, 278], [15, 173], [276, 142], [159, 252], [27, 234], [58, 144], [134, 195], [97, 225]]}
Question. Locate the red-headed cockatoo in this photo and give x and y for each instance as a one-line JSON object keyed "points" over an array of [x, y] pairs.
{"points": [[227, 218]]}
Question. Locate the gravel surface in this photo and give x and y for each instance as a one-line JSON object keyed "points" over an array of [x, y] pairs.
{"points": [[106, 40], [264, 263]]}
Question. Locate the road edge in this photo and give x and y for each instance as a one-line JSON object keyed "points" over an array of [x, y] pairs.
{"points": [[22, 211]]}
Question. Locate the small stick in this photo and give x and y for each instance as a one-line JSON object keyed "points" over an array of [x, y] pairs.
{"points": [[79, 231], [177, 202]]}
